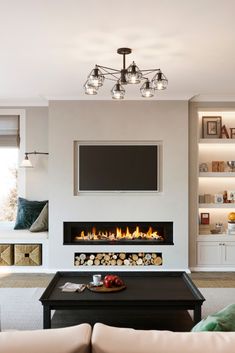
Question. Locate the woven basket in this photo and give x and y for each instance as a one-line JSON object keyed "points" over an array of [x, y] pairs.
{"points": [[28, 254], [6, 255]]}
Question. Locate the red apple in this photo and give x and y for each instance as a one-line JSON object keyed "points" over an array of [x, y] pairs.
{"points": [[108, 283], [107, 277], [110, 277], [118, 282]]}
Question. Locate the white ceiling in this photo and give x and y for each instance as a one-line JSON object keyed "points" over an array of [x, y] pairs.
{"points": [[48, 47]]}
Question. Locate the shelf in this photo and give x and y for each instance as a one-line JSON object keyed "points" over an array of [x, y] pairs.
{"points": [[217, 174], [219, 141], [215, 237], [217, 205]]}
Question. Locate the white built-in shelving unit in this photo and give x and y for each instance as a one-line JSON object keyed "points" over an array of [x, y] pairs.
{"points": [[212, 251]]}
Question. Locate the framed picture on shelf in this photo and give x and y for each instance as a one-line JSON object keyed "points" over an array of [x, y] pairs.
{"points": [[219, 198], [205, 218], [211, 127], [231, 195], [203, 167]]}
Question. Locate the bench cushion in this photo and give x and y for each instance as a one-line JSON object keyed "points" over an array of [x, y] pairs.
{"points": [[9, 235]]}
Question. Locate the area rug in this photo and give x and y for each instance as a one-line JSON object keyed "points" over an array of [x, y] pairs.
{"points": [[216, 299], [20, 308]]}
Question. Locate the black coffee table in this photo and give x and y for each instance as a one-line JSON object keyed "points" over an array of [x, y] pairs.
{"points": [[164, 291]]}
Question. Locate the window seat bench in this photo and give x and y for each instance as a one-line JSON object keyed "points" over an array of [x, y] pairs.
{"points": [[28, 240]]}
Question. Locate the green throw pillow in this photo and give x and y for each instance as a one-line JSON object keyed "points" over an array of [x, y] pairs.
{"points": [[223, 320], [41, 223], [28, 212]]}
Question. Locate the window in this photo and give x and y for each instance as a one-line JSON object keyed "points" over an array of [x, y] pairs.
{"points": [[8, 183], [9, 148]]}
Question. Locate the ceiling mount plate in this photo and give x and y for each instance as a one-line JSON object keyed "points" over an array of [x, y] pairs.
{"points": [[124, 51]]}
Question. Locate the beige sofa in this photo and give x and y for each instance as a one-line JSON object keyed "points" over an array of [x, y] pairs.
{"points": [[106, 339]]}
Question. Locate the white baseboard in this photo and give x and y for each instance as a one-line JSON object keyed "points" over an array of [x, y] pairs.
{"points": [[212, 269], [40, 269]]}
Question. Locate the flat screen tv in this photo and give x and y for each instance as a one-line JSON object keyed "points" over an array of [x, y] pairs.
{"points": [[118, 167]]}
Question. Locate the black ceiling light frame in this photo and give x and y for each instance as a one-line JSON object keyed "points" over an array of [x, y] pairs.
{"points": [[127, 75]]}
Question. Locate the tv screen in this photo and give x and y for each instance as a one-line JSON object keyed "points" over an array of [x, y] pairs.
{"points": [[118, 167]]}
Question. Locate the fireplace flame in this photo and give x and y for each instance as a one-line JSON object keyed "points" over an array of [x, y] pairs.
{"points": [[119, 234]]}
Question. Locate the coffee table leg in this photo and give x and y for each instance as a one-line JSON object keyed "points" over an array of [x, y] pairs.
{"points": [[46, 316], [197, 315]]}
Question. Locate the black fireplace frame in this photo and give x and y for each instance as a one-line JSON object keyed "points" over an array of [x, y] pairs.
{"points": [[166, 226]]}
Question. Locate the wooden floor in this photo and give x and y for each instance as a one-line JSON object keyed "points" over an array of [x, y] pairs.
{"points": [[34, 280], [214, 279]]}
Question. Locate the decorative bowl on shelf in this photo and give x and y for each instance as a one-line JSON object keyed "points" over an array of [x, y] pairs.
{"points": [[215, 231], [231, 165]]}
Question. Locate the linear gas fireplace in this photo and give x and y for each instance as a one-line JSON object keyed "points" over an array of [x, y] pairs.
{"points": [[115, 233]]}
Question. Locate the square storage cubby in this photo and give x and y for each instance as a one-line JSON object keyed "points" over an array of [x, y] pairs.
{"points": [[6, 255], [28, 254]]}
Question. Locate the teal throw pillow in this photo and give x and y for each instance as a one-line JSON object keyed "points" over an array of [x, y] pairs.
{"points": [[28, 212], [41, 223], [223, 320]]}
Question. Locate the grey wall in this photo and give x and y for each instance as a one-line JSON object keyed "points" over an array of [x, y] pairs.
{"points": [[36, 138]]}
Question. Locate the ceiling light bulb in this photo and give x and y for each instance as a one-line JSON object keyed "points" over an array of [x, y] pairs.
{"points": [[96, 78], [159, 81], [133, 74], [89, 89], [147, 91], [118, 91]]}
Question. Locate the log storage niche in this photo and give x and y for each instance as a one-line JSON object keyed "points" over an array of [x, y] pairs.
{"points": [[118, 259]]}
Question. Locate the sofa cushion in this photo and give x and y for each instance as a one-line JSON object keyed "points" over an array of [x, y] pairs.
{"points": [[74, 339], [106, 339], [27, 212], [223, 320]]}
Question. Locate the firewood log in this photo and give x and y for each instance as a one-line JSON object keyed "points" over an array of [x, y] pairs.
{"points": [[119, 262], [139, 262], [126, 262], [158, 261]]}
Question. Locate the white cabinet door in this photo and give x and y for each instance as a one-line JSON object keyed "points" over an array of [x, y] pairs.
{"points": [[228, 253], [209, 253]]}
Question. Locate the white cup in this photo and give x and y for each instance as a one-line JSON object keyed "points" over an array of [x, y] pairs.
{"points": [[96, 279]]}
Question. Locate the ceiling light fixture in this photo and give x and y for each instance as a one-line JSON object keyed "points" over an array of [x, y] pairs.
{"points": [[130, 75], [26, 163]]}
